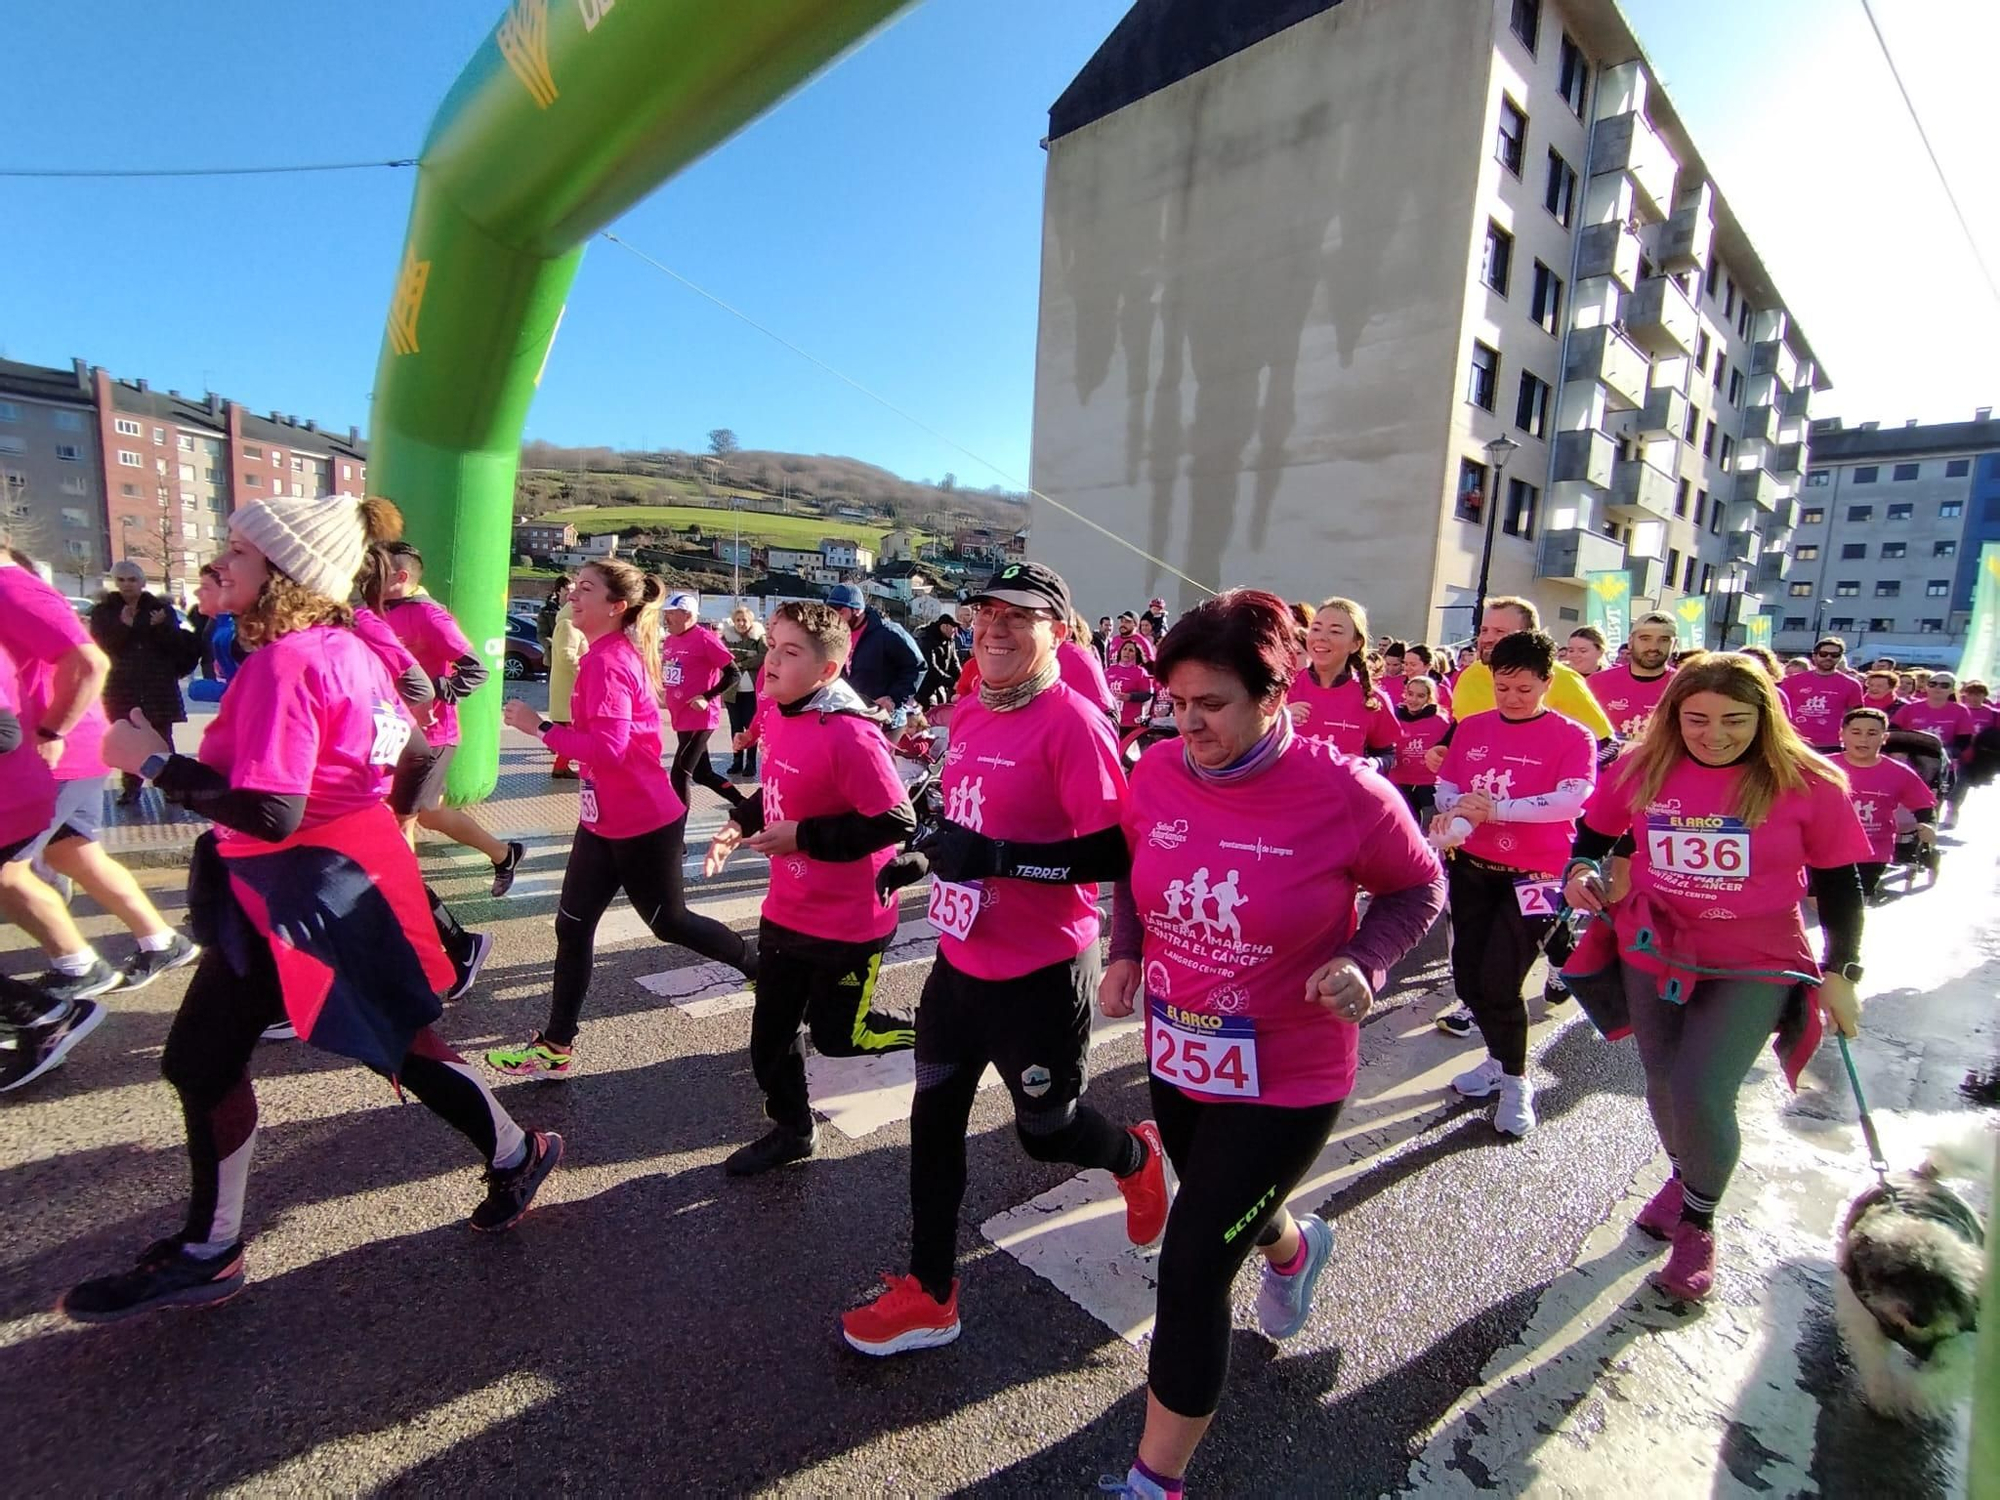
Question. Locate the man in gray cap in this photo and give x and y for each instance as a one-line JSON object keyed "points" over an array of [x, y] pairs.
{"points": [[885, 665]]}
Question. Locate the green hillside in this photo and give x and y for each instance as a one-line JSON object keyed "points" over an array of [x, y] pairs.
{"points": [[757, 526]]}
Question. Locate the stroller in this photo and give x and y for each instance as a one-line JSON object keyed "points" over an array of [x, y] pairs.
{"points": [[1926, 755]]}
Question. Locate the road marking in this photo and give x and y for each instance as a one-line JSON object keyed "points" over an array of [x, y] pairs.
{"points": [[704, 990]]}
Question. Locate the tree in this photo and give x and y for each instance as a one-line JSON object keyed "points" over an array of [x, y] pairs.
{"points": [[949, 482], [722, 442]]}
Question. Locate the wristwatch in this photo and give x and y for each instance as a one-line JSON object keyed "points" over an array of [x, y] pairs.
{"points": [[152, 765], [44, 732], [543, 726], [1851, 973]]}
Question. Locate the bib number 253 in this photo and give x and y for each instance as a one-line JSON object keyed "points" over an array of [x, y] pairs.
{"points": [[954, 908]]}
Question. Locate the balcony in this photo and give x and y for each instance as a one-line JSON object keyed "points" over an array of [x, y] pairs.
{"points": [[1784, 517], [1796, 405], [1775, 359], [1773, 566], [1690, 231], [1639, 491], [1760, 425], [1787, 460], [1663, 415], [1742, 546], [1584, 458], [1627, 143], [1610, 250], [1759, 489], [1575, 554], [1659, 317], [1648, 576], [1617, 364]]}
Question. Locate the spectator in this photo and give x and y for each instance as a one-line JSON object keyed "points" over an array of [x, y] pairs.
{"points": [[745, 639], [150, 651], [943, 661], [545, 619], [565, 656], [885, 664]]}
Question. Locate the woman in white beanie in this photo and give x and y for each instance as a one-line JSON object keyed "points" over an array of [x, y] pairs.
{"points": [[309, 901]]}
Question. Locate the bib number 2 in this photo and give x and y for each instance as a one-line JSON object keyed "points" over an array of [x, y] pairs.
{"points": [[1538, 898], [954, 908], [1204, 1054]]}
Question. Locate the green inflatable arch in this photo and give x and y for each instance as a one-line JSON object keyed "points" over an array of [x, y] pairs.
{"points": [[570, 112]]}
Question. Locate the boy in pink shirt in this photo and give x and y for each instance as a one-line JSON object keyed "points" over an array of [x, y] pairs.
{"points": [[1879, 787], [830, 815]]}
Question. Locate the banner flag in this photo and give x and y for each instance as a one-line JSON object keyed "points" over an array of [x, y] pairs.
{"points": [[1982, 639], [1608, 604]]}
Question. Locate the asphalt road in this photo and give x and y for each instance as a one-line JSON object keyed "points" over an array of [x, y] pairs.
{"points": [[655, 1326]]}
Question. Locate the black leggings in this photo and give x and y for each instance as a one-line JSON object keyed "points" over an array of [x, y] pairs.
{"points": [[1237, 1164], [692, 763], [1492, 948], [827, 987], [647, 867], [207, 1061], [1035, 1030]]}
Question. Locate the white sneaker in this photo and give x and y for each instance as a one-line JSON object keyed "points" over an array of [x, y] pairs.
{"points": [[1515, 1113], [1478, 1082]]}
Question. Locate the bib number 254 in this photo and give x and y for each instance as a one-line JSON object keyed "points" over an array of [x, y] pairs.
{"points": [[1204, 1054]]}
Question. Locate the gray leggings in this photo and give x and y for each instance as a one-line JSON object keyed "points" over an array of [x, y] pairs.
{"points": [[1696, 1057]]}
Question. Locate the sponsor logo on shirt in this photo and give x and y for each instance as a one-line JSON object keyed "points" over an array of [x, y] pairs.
{"points": [[1522, 760], [1168, 835], [1229, 998], [1477, 752], [1158, 980], [1494, 783], [1260, 848], [996, 760], [965, 804]]}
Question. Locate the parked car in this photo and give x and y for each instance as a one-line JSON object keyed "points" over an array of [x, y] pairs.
{"points": [[525, 658]]}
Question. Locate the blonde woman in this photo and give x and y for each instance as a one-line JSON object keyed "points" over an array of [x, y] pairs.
{"points": [[1334, 699]]}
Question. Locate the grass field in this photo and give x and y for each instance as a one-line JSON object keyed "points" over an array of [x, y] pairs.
{"points": [[772, 530]]}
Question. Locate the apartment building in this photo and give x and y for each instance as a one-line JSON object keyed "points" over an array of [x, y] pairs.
{"points": [[1891, 524], [52, 467], [1304, 260]]}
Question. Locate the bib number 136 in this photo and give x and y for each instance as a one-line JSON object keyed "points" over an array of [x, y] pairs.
{"points": [[1204, 1054], [1722, 852]]}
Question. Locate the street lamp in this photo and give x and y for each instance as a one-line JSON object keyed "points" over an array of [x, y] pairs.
{"points": [[1497, 453], [1819, 619]]}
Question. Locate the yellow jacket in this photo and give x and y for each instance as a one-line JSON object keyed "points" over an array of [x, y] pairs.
{"points": [[1569, 695], [566, 648]]}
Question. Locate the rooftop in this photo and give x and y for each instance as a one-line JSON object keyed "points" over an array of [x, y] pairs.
{"points": [[1833, 443]]}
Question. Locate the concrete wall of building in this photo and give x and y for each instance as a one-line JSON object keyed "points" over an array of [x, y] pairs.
{"points": [[52, 483], [1253, 291]]}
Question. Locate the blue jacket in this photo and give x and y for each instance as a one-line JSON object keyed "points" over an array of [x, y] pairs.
{"points": [[885, 662]]}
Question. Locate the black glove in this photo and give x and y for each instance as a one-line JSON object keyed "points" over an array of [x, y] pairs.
{"points": [[906, 868], [958, 855]]}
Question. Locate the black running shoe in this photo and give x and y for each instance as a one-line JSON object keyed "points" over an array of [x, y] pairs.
{"points": [[774, 1148], [1555, 992], [509, 1190], [166, 1276], [478, 946], [98, 979], [27, 1052], [143, 967], [503, 873], [1455, 1022]]}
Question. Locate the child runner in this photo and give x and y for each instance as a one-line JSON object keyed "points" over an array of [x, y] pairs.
{"points": [[632, 828], [1423, 725], [694, 669], [830, 814], [1878, 786]]}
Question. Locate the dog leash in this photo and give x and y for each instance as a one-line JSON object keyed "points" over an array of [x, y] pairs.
{"points": [[1875, 1157]]}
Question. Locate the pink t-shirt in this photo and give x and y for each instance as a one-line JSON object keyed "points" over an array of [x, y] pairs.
{"points": [[1125, 679], [1950, 723], [1731, 892], [816, 767], [1876, 792], [1982, 716], [1818, 700], [313, 713], [1043, 773], [613, 735], [27, 791], [379, 636], [1339, 717], [1628, 701], [38, 629], [1418, 736], [1081, 669], [1507, 758], [435, 640], [688, 665], [1244, 890]]}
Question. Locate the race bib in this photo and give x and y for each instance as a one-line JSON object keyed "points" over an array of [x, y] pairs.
{"points": [[670, 671], [954, 908], [1709, 848], [1538, 898], [1202, 1053], [586, 802], [392, 733]]}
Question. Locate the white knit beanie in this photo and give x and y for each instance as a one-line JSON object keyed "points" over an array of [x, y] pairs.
{"points": [[318, 544]]}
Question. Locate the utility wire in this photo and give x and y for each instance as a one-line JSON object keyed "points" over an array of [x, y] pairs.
{"points": [[324, 166], [1930, 151], [910, 417]]}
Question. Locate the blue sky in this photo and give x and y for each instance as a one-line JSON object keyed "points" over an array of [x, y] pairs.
{"points": [[887, 218]]}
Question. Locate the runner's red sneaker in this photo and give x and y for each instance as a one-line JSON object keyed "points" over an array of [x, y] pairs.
{"points": [[903, 1318], [1662, 1214], [1146, 1189]]}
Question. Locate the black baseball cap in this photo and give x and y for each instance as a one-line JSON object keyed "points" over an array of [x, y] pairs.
{"points": [[1028, 585]]}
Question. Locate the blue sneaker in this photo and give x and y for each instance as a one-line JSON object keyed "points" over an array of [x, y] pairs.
{"points": [[1284, 1302]]}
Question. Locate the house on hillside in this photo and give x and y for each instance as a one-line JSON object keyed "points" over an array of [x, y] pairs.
{"points": [[846, 556], [776, 587], [980, 543], [904, 580], [899, 545], [543, 538], [793, 559], [853, 512], [767, 504], [730, 549], [589, 549], [1017, 545]]}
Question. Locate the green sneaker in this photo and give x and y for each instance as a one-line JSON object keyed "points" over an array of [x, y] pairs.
{"points": [[537, 1058]]}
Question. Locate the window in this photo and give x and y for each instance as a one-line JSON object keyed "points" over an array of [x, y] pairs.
{"points": [[1524, 504], [159, 434], [1728, 298], [1484, 381], [1526, 23], [1496, 266], [1691, 428], [1937, 588], [76, 484], [298, 466], [1800, 590], [347, 471], [1944, 549], [1950, 509], [1572, 75], [187, 442], [1860, 513], [1471, 489], [1795, 622], [68, 421], [1809, 553], [1957, 468], [1531, 407], [1700, 508], [1673, 565], [1887, 588], [1903, 473], [1714, 274], [211, 476], [1847, 588], [1743, 319], [129, 459], [1892, 550], [1687, 575], [1866, 474], [126, 427], [1901, 511], [251, 450], [1819, 479], [131, 490], [1681, 497], [1728, 450], [1546, 305], [1510, 145], [187, 473], [1930, 627], [1708, 439], [1840, 622], [9, 412], [1714, 512], [253, 481], [1702, 345], [1735, 387], [1882, 624], [1851, 550], [1812, 515], [1707, 578], [13, 445]]}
